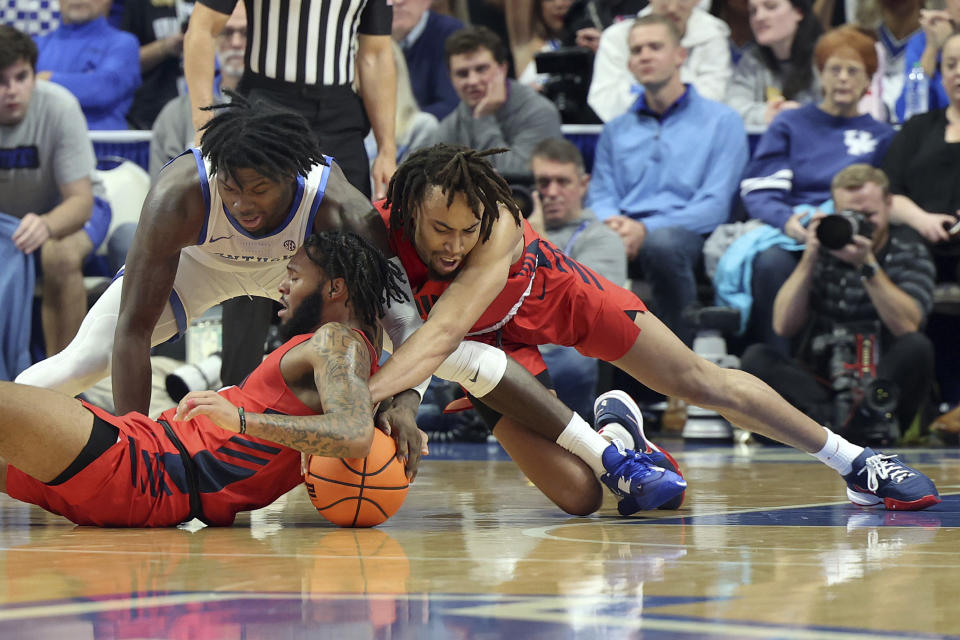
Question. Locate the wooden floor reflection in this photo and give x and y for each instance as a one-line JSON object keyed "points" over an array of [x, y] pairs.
{"points": [[764, 547]]}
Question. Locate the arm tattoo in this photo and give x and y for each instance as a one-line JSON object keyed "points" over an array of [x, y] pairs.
{"points": [[341, 368]]}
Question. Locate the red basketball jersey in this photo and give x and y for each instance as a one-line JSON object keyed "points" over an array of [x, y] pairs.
{"points": [[143, 480]]}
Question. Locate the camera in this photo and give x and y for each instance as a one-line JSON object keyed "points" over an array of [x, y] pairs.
{"points": [[864, 406], [838, 229], [570, 70]]}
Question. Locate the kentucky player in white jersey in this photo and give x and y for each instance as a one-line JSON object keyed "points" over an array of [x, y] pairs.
{"points": [[218, 223]]}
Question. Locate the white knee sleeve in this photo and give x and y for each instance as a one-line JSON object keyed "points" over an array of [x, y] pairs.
{"points": [[476, 366]]}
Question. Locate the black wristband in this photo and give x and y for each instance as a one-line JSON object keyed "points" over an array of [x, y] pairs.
{"points": [[243, 420]]}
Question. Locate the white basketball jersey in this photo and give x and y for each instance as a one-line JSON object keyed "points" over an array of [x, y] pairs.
{"points": [[225, 245]]}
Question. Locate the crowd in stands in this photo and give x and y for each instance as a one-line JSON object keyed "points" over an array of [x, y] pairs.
{"points": [[752, 120]]}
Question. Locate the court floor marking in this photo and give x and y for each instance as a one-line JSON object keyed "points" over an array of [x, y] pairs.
{"points": [[525, 608], [679, 560], [541, 533], [536, 611]]}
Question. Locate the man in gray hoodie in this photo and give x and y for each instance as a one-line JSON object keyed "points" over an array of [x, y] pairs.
{"points": [[494, 111]]}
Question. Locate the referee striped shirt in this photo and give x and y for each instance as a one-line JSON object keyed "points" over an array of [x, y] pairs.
{"points": [[308, 42]]}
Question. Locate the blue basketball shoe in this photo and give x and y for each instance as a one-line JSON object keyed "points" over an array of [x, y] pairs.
{"points": [[879, 477], [617, 406], [637, 481]]}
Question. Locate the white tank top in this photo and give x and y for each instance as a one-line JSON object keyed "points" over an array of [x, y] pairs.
{"points": [[225, 245]]}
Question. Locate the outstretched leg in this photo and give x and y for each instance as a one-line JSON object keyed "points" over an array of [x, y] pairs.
{"points": [[661, 361], [41, 431]]}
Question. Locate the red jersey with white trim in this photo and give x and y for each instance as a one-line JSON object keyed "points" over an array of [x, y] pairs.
{"points": [[143, 481], [548, 298]]}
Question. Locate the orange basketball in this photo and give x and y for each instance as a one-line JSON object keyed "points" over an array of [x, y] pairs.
{"points": [[358, 492]]}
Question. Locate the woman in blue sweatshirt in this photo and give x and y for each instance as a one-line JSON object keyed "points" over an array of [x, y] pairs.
{"points": [[800, 153]]}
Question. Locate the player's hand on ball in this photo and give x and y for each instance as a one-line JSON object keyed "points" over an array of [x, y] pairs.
{"points": [[400, 422], [221, 411]]}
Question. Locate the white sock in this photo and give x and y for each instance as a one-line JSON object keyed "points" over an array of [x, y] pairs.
{"points": [[615, 431], [838, 453], [585, 443]]}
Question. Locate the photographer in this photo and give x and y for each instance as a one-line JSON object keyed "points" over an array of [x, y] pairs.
{"points": [[863, 306]]}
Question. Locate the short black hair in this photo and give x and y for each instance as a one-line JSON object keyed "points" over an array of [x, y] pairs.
{"points": [[470, 39], [15, 46], [371, 280], [259, 135], [455, 169]]}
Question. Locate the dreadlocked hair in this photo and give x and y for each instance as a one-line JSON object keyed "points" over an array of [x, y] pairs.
{"points": [[455, 169], [259, 135], [372, 280]]}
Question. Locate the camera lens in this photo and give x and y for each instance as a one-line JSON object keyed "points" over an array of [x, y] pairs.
{"points": [[834, 231]]}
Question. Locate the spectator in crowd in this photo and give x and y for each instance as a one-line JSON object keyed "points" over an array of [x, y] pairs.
{"points": [[160, 34], [99, 64], [736, 14], [414, 127], [586, 20], [494, 111], [534, 26], [558, 215], [173, 130], [46, 183], [937, 25], [776, 72], [707, 66], [666, 172], [796, 158], [900, 21], [878, 288], [922, 164], [421, 34]]}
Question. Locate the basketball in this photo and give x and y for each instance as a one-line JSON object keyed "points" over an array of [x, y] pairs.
{"points": [[358, 492]]}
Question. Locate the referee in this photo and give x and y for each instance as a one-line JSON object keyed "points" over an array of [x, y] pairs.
{"points": [[307, 56]]}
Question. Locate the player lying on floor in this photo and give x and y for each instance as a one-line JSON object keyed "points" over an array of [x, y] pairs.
{"points": [[217, 453]]}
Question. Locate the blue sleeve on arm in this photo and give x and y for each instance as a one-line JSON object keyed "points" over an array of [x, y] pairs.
{"points": [[769, 177], [602, 196]]}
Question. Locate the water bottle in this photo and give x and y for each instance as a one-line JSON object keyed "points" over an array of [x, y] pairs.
{"points": [[917, 97]]}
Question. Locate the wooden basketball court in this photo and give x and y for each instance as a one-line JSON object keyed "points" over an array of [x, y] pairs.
{"points": [[765, 546]]}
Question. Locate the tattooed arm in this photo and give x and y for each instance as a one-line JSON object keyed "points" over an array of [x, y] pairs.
{"points": [[340, 365]]}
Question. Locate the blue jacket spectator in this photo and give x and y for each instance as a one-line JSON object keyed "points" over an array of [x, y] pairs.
{"points": [[97, 63], [421, 34], [665, 173], [658, 169]]}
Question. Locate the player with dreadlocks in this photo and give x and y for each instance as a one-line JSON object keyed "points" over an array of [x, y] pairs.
{"points": [[219, 222], [478, 271], [309, 396]]}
